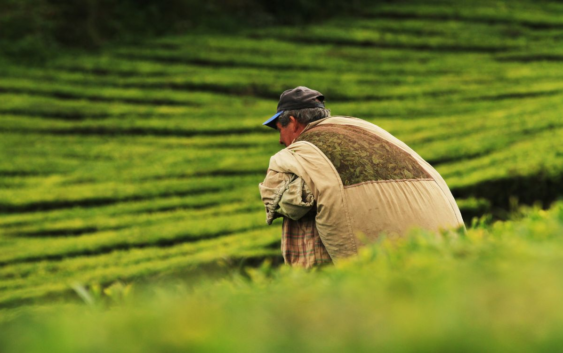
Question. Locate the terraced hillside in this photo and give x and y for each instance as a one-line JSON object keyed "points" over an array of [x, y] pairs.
{"points": [[145, 159]]}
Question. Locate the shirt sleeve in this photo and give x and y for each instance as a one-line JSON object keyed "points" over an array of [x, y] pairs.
{"points": [[285, 194]]}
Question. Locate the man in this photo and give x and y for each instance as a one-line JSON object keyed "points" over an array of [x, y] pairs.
{"points": [[341, 180]]}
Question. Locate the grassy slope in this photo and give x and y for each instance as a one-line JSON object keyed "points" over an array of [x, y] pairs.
{"points": [[143, 159]]}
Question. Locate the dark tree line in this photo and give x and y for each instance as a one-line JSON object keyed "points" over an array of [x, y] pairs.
{"points": [[32, 28]]}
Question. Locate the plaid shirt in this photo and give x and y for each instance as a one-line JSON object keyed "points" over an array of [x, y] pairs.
{"points": [[301, 244]]}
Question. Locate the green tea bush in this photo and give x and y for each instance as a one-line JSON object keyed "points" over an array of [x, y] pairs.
{"points": [[35, 282], [493, 289], [35, 29], [145, 157]]}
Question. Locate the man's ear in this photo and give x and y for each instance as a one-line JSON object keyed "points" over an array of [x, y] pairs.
{"points": [[294, 123]]}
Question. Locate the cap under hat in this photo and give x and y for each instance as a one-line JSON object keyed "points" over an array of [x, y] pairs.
{"points": [[297, 98]]}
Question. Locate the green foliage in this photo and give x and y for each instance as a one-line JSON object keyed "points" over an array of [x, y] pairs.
{"points": [[34, 30], [34, 282], [144, 159], [494, 289]]}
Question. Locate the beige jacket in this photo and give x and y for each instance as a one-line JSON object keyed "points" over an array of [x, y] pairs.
{"points": [[364, 181]]}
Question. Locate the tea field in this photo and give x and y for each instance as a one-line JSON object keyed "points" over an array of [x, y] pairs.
{"points": [[144, 160]]}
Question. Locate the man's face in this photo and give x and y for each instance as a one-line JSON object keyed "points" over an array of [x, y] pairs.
{"points": [[289, 132], [286, 135]]}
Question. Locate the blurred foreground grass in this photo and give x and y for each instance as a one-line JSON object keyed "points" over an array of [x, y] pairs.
{"points": [[493, 288]]}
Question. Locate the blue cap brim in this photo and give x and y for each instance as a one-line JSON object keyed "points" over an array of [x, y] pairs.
{"points": [[272, 121]]}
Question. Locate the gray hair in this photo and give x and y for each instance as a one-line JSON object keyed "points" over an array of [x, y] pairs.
{"points": [[304, 116]]}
